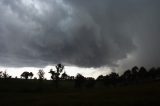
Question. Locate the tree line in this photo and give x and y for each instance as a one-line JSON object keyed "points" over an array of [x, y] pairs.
{"points": [[131, 76]]}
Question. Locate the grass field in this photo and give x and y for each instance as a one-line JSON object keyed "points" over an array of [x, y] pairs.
{"points": [[34, 93]]}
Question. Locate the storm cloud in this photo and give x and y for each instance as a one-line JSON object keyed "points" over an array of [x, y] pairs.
{"points": [[82, 33]]}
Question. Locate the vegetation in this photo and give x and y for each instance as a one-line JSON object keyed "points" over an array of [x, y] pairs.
{"points": [[41, 74], [136, 86], [26, 75], [55, 75]]}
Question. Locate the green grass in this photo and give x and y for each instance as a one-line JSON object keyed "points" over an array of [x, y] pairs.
{"points": [[33, 93]]}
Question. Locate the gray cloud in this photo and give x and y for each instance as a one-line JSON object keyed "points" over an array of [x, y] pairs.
{"points": [[79, 32]]}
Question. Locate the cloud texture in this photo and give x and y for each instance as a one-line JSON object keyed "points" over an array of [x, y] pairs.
{"points": [[82, 33]]}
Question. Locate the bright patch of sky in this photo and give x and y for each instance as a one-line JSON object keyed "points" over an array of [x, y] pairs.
{"points": [[70, 70]]}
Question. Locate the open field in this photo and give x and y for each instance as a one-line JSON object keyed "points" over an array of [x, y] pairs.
{"points": [[34, 93]]}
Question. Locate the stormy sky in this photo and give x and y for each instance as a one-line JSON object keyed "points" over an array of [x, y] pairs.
{"points": [[84, 33]]}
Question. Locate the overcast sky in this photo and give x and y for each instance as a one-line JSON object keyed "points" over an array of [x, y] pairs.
{"points": [[85, 33]]}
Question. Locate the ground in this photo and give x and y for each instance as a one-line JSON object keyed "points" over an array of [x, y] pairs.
{"points": [[35, 93]]}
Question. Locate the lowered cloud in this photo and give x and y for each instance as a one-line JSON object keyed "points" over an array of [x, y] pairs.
{"points": [[80, 33]]}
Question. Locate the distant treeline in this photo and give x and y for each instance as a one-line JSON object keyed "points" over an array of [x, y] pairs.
{"points": [[131, 76], [135, 75]]}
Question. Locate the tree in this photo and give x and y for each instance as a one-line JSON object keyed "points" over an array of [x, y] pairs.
{"points": [[127, 75], [64, 76], [26, 75], [113, 77], [41, 74], [152, 73], [1, 74], [142, 73], [53, 74], [100, 78], [80, 79], [59, 69], [90, 82], [31, 75], [134, 72], [5, 75], [158, 73]]}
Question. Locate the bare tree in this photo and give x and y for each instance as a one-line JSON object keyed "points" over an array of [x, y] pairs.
{"points": [[5, 75], [59, 68], [55, 74], [41, 74]]}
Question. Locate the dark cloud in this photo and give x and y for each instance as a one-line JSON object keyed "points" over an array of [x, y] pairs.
{"points": [[79, 32]]}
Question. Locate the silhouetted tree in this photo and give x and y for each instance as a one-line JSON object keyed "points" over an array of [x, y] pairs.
{"points": [[114, 77], [35, 78], [133, 76], [41, 74], [1, 74], [106, 80], [142, 73], [90, 82], [64, 76], [5, 75], [59, 69], [127, 74], [79, 81], [26, 75], [152, 73], [134, 70], [134, 73], [30, 75], [53, 74], [158, 73], [70, 77], [126, 77], [100, 78]]}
